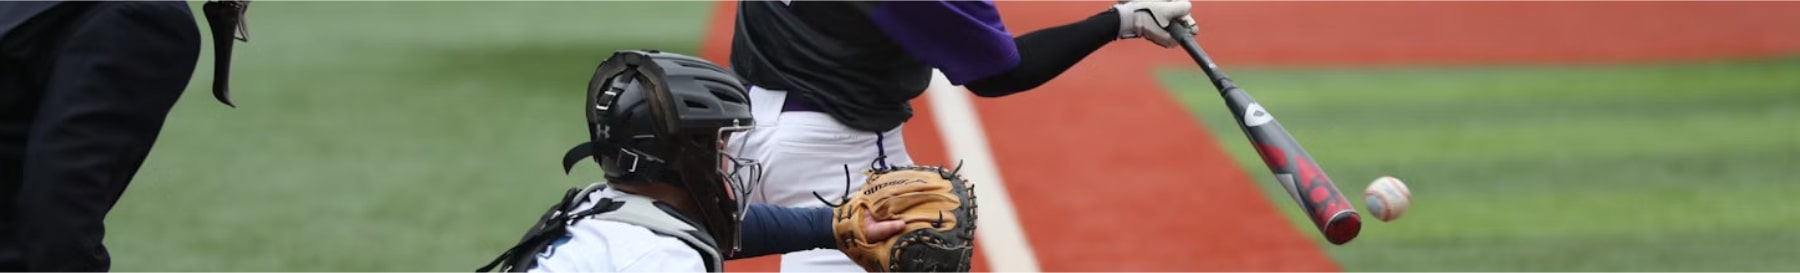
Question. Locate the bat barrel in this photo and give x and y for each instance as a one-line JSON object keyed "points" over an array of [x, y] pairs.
{"points": [[1279, 150]]}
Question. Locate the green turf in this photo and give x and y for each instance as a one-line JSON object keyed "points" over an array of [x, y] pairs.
{"points": [[1650, 167], [380, 136]]}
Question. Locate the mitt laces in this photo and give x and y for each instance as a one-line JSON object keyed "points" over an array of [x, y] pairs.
{"points": [[879, 165], [845, 198]]}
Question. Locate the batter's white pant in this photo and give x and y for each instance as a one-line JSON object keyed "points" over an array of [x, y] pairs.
{"points": [[806, 152]]}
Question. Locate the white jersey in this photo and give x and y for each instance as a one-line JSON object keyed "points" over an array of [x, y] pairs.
{"points": [[607, 246]]}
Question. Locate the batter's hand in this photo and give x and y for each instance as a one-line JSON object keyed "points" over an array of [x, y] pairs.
{"points": [[1148, 19]]}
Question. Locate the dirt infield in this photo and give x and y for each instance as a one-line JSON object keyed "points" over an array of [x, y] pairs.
{"points": [[1109, 173]]}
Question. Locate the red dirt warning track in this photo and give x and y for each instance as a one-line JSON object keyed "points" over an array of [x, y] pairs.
{"points": [[1109, 173]]}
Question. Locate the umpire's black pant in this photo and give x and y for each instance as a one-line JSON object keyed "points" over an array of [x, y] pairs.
{"points": [[84, 89]]}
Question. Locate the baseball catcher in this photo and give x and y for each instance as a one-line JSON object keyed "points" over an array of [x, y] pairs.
{"points": [[660, 125]]}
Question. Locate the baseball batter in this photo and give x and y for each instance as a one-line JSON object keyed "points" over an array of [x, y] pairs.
{"points": [[672, 201], [832, 79]]}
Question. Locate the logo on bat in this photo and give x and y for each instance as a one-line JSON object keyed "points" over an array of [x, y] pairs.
{"points": [[1254, 115], [1306, 183]]}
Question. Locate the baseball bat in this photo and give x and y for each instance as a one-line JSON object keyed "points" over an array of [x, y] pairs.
{"points": [[1296, 170]]}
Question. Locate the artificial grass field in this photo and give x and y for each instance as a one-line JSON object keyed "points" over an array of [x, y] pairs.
{"points": [[1648, 167], [425, 136]]}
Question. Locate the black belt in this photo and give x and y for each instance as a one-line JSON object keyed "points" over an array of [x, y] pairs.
{"points": [[796, 103]]}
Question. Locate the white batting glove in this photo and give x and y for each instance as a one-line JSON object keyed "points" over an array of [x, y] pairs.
{"points": [[1148, 18]]}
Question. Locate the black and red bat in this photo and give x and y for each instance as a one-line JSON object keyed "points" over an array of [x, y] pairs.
{"points": [[1296, 170]]}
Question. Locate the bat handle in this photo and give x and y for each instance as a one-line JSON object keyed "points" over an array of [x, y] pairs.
{"points": [[1179, 31]]}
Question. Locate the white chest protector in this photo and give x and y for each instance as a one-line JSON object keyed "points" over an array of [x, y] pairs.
{"points": [[626, 208], [643, 211]]}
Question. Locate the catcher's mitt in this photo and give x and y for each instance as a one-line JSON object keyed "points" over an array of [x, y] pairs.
{"points": [[938, 206]]}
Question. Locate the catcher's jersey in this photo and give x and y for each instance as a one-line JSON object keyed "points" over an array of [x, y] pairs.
{"points": [[862, 61], [608, 246]]}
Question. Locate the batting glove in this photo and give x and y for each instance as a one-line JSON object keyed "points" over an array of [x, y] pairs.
{"points": [[1148, 19]]}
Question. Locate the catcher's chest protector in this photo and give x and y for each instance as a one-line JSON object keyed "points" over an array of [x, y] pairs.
{"points": [[642, 211], [630, 209]]}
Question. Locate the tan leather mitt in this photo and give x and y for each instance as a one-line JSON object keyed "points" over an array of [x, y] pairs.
{"points": [[939, 209]]}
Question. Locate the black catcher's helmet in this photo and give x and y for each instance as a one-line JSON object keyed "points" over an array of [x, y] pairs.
{"points": [[659, 117]]}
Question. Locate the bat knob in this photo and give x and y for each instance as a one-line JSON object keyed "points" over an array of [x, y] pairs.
{"points": [[1343, 227], [1180, 31]]}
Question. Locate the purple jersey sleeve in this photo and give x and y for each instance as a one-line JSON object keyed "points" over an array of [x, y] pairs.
{"points": [[964, 39]]}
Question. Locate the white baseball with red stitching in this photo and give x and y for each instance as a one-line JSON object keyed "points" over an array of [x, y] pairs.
{"points": [[1387, 198]]}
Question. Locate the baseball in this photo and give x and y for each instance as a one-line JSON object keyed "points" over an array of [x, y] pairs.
{"points": [[1387, 198]]}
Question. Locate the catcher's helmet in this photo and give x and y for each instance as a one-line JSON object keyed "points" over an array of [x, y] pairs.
{"points": [[659, 117]]}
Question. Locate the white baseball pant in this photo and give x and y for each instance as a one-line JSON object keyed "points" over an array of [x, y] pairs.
{"points": [[805, 152]]}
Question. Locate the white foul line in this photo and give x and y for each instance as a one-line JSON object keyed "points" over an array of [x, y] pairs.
{"points": [[997, 226]]}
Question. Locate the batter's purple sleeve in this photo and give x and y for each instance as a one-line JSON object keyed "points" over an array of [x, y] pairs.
{"points": [[964, 39]]}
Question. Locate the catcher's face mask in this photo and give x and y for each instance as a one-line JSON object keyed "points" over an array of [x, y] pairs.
{"points": [[740, 177]]}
